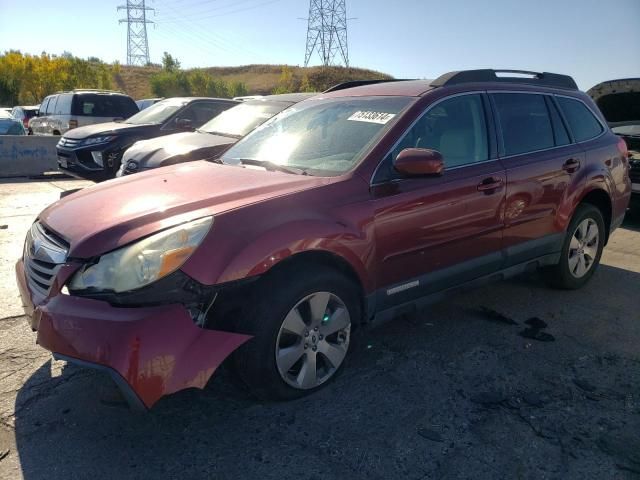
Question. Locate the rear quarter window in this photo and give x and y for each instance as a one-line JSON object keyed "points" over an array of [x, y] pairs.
{"points": [[101, 105], [581, 120]]}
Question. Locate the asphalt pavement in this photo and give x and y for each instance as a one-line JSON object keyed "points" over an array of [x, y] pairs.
{"points": [[511, 380]]}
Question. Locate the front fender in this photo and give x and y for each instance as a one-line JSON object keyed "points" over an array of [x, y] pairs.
{"points": [[256, 257]]}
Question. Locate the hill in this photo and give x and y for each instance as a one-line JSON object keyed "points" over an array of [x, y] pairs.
{"points": [[259, 79]]}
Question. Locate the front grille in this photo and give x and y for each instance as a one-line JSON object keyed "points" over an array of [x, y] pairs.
{"points": [[69, 142], [44, 254]]}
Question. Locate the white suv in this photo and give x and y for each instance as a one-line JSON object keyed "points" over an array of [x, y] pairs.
{"points": [[61, 112]]}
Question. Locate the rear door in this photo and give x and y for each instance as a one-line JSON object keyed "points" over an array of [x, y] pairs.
{"points": [[544, 170], [435, 232]]}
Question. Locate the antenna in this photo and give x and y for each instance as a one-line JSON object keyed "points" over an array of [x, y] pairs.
{"points": [[327, 31], [137, 43]]}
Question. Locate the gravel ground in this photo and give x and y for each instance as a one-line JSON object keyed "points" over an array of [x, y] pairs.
{"points": [[460, 390]]}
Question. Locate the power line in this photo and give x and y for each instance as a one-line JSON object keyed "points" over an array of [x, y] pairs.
{"points": [[137, 41], [327, 31], [249, 7], [200, 34]]}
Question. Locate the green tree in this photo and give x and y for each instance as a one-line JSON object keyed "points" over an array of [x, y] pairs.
{"points": [[286, 82], [236, 89], [305, 84], [169, 63], [170, 84]]}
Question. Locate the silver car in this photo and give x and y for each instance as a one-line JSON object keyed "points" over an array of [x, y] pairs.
{"points": [[63, 111]]}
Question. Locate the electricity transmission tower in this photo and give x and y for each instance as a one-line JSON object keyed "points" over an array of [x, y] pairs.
{"points": [[137, 43], [327, 31]]}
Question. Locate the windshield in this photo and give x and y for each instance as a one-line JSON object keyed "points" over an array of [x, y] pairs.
{"points": [[158, 112], [325, 137], [10, 127], [240, 120]]}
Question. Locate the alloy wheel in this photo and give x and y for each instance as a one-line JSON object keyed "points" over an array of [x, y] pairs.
{"points": [[313, 340], [583, 248]]}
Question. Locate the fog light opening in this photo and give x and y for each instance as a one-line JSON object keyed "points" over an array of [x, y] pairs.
{"points": [[97, 158]]}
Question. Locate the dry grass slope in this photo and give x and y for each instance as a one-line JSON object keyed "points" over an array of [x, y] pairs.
{"points": [[259, 79]]}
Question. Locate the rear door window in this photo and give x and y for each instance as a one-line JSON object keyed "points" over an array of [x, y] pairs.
{"points": [[582, 121], [63, 106], [51, 107], [559, 130], [43, 106], [524, 121], [104, 105]]}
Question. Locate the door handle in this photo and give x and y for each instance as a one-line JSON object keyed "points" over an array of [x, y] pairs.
{"points": [[571, 165], [489, 185]]}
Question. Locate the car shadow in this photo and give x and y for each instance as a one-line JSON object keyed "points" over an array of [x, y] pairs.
{"points": [[404, 378]]}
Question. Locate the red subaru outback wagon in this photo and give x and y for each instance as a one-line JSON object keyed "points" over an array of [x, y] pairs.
{"points": [[343, 209]]}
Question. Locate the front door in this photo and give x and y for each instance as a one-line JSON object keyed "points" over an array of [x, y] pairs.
{"points": [[435, 232]]}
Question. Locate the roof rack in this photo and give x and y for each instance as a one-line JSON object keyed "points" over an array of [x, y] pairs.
{"points": [[543, 79], [360, 83]]}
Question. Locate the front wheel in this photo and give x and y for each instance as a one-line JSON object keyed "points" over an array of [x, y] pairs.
{"points": [[301, 323], [581, 250]]}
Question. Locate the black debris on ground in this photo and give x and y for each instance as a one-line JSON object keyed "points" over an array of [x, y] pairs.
{"points": [[430, 435], [495, 316], [534, 332]]}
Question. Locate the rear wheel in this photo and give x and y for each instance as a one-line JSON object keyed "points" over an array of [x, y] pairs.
{"points": [[581, 250], [301, 325]]}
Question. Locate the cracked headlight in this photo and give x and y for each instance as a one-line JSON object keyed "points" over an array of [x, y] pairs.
{"points": [[144, 261]]}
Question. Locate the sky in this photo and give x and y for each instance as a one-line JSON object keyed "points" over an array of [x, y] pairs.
{"points": [[592, 40]]}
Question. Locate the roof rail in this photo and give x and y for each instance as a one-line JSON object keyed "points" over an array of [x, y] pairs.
{"points": [[99, 90], [543, 79], [360, 83]]}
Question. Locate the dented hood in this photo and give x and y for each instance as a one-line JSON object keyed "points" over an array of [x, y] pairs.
{"points": [[108, 215]]}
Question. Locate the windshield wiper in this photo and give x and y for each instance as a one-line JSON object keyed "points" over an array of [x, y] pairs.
{"points": [[273, 166]]}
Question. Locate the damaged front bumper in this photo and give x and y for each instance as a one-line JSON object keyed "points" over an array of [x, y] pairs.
{"points": [[149, 351]]}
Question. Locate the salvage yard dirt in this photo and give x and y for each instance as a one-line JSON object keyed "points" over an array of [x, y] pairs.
{"points": [[512, 380]]}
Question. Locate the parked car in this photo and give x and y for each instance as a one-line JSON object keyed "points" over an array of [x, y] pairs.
{"points": [[619, 102], [147, 102], [10, 125], [210, 140], [95, 152], [24, 114], [64, 111], [6, 110], [348, 208]]}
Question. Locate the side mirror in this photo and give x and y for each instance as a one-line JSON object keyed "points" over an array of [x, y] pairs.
{"points": [[184, 124], [415, 162]]}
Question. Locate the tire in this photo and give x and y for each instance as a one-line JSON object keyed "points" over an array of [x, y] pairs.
{"points": [[578, 260], [287, 297]]}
